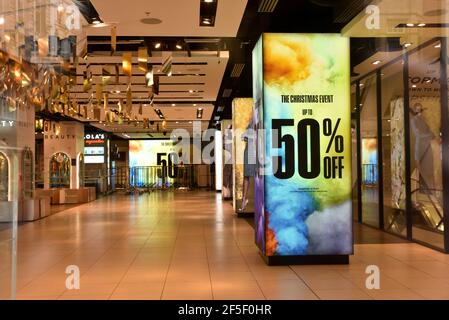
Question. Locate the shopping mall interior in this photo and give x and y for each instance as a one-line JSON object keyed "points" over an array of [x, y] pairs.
{"points": [[223, 150]]}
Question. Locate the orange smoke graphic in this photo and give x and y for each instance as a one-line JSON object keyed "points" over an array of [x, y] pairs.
{"points": [[271, 242], [285, 60]]}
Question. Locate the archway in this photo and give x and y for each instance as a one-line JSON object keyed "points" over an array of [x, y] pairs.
{"points": [[4, 177], [60, 170]]}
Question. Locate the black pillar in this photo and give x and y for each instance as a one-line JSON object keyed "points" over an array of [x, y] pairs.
{"points": [[408, 185], [359, 152], [380, 167], [445, 139]]}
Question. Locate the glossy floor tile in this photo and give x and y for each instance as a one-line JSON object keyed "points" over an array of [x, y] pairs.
{"points": [[179, 245]]}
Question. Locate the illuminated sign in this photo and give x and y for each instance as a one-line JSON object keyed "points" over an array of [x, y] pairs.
{"points": [[94, 138], [303, 200], [7, 123], [94, 149]]}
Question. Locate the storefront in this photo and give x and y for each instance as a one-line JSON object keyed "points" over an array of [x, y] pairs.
{"points": [[400, 133]]}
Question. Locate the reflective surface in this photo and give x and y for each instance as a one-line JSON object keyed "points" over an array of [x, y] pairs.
{"points": [[425, 144], [393, 143], [369, 157], [189, 245], [8, 221]]}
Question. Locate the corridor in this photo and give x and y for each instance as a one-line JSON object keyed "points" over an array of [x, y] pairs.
{"points": [[190, 245]]}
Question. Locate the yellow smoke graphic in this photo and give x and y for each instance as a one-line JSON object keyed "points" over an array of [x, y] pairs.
{"points": [[286, 60]]}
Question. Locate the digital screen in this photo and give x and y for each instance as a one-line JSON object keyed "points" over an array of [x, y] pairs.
{"points": [[303, 181], [152, 162], [242, 112], [94, 159], [143, 153], [91, 151]]}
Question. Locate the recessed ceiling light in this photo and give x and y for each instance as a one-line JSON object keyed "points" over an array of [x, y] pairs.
{"points": [[2, 20], [206, 21], [191, 91], [410, 24], [178, 46], [173, 104], [96, 22], [406, 45], [376, 62], [438, 45], [157, 45], [177, 121], [414, 86], [421, 25]]}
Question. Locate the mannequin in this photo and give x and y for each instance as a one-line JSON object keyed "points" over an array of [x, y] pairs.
{"points": [[423, 146]]}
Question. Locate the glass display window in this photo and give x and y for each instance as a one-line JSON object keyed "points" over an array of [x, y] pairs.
{"points": [[60, 170]]}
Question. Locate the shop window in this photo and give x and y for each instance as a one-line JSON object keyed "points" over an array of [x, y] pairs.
{"points": [[60, 171], [4, 177], [28, 173], [369, 155], [425, 145], [393, 149], [81, 170]]}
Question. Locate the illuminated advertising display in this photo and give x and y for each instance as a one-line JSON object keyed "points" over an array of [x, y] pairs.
{"points": [[153, 162], [243, 155], [94, 148], [302, 121]]}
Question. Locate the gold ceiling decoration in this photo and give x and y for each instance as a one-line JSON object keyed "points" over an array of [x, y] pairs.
{"points": [[113, 39], [142, 58], [127, 64]]}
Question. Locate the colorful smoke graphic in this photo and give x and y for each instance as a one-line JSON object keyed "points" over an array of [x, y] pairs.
{"points": [[300, 216]]}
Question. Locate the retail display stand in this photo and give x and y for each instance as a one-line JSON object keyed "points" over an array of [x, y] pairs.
{"points": [[302, 119]]}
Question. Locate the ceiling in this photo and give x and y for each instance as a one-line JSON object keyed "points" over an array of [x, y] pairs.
{"points": [[390, 41], [178, 18], [395, 12], [198, 65], [213, 64]]}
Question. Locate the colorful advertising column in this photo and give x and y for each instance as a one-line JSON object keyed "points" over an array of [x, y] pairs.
{"points": [[302, 122], [244, 156]]}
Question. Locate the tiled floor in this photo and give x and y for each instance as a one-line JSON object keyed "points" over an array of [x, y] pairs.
{"points": [[191, 246]]}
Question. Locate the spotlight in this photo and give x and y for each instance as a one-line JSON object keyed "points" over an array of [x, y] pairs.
{"points": [[406, 45], [199, 113], [410, 24], [376, 62], [2, 20], [421, 25], [157, 45], [178, 46]]}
